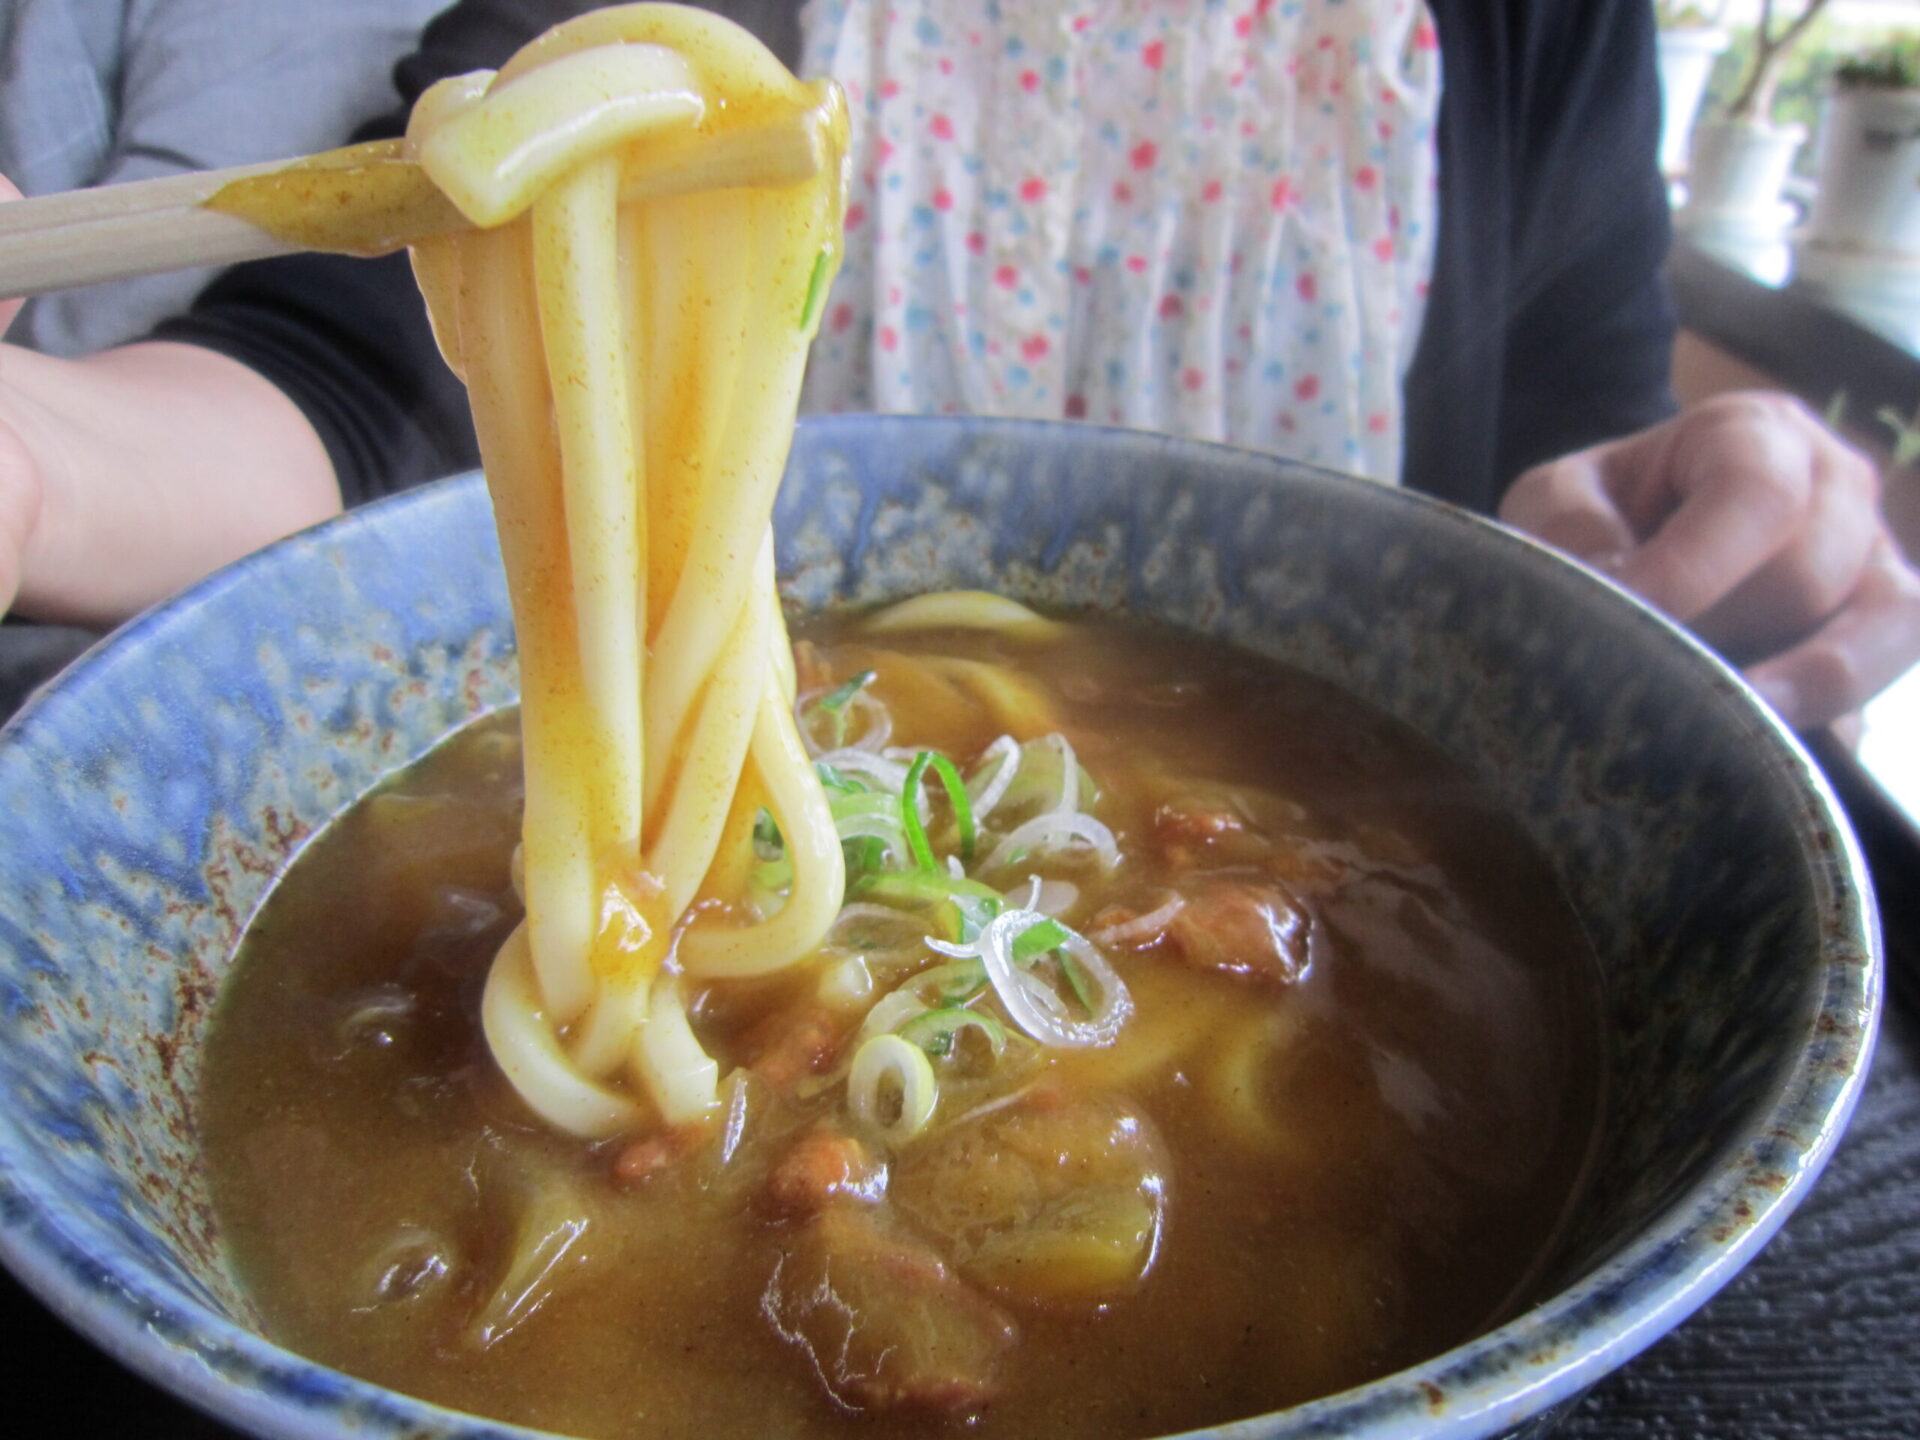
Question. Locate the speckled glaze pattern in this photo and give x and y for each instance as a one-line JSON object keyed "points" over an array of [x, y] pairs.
{"points": [[149, 799]]}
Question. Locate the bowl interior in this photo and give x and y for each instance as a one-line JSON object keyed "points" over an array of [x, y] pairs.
{"points": [[149, 800]]}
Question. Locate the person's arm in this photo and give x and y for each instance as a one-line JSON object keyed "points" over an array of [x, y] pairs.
{"points": [[130, 474]]}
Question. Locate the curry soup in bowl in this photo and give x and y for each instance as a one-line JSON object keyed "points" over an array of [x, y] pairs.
{"points": [[1334, 962]]}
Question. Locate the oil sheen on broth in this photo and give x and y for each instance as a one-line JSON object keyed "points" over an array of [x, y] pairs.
{"points": [[1337, 1133]]}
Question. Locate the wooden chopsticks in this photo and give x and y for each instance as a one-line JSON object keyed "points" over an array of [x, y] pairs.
{"points": [[361, 200]]}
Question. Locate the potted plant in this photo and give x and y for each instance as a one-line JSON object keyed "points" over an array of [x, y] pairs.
{"points": [[1741, 159], [1861, 249], [1690, 40]]}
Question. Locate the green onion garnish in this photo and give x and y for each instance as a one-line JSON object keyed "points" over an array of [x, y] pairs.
{"points": [[957, 797], [953, 983], [915, 888], [910, 813], [938, 1031], [958, 902], [835, 781], [1046, 937], [1037, 939], [1076, 979], [864, 854], [974, 913], [767, 842], [836, 701]]}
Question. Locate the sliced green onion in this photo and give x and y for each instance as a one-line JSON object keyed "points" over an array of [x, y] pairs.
{"points": [[1037, 939], [891, 1011], [975, 914], [836, 700], [772, 871], [1076, 978], [836, 780], [865, 856], [953, 983], [883, 1064], [961, 906], [861, 802], [767, 842], [1029, 997], [957, 797], [910, 813], [1047, 936], [918, 888], [938, 1031]]}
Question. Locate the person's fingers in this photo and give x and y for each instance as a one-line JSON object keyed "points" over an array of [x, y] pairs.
{"points": [[1817, 573], [1866, 645], [1740, 482], [1565, 502]]}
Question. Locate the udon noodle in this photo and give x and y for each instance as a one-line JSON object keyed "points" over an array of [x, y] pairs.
{"points": [[634, 368]]}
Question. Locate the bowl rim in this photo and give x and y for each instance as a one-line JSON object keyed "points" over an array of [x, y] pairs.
{"points": [[1696, 1243]]}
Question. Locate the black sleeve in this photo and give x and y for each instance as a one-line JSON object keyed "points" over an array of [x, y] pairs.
{"points": [[1548, 325], [348, 340], [349, 343]]}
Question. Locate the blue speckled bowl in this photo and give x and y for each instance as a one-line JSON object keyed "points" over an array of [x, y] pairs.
{"points": [[149, 799]]}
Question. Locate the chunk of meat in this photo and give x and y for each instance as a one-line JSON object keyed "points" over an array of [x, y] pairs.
{"points": [[789, 1045], [1194, 832], [1195, 823], [823, 1166], [1057, 1200], [640, 1160], [1242, 924], [885, 1323]]}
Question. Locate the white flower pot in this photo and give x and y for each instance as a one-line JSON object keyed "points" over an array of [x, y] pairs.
{"points": [[1740, 167], [1869, 198], [1686, 62], [1860, 251], [1735, 206]]}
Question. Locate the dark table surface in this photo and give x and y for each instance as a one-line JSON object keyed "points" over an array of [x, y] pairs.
{"points": [[1819, 1338]]}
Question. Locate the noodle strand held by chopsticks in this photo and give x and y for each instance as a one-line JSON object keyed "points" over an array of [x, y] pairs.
{"points": [[634, 368]]}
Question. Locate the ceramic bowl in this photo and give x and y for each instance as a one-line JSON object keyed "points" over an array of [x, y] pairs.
{"points": [[149, 799]]}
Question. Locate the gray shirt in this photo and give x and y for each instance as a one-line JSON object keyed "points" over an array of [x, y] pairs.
{"points": [[93, 92]]}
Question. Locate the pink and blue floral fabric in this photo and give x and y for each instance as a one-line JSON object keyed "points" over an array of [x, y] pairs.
{"points": [[1213, 217]]}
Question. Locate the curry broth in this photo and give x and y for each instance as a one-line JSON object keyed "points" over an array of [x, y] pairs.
{"points": [[1355, 1168]]}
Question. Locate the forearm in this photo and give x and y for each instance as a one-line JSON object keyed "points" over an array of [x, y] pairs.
{"points": [[154, 464]]}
